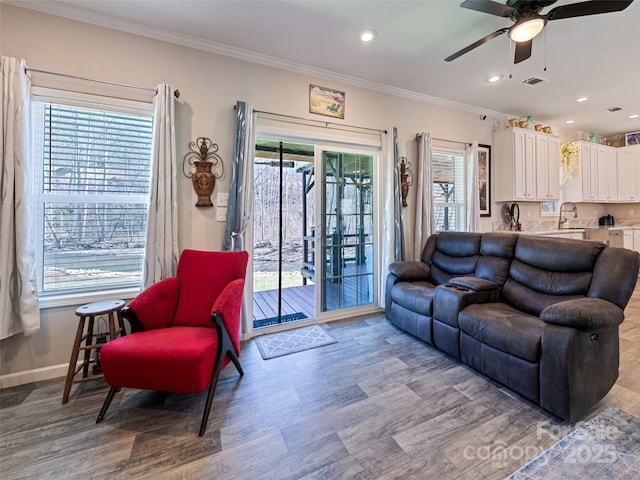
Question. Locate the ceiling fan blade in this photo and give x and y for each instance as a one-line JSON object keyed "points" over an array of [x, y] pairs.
{"points": [[523, 51], [490, 7], [587, 8], [482, 41]]}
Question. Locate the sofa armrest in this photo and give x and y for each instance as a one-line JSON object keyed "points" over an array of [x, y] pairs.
{"points": [[410, 271], [449, 300], [587, 314], [474, 283]]}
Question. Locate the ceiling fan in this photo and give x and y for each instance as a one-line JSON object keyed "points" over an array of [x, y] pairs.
{"points": [[529, 22]]}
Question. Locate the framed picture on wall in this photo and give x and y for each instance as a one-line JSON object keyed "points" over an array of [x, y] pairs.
{"points": [[324, 101], [484, 179], [632, 138]]}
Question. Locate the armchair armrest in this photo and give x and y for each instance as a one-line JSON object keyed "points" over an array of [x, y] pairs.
{"points": [[155, 306], [226, 310], [410, 270], [587, 314]]}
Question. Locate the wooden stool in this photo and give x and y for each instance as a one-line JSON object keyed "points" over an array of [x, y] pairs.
{"points": [[90, 311]]}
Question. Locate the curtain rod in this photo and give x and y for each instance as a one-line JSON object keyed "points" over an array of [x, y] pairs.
{"points": [[104, 82], [445, 140], [325, 123]]}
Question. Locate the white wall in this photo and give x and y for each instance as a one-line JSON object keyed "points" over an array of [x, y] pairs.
{"points": [[209, 85]]}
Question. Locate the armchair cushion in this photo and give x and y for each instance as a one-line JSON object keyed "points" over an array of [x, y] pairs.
{"points": [[410, 271], [178, 359], [192, 269]]}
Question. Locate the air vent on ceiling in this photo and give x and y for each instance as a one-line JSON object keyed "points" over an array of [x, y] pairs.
{"points": [[533, 81], [614, 109]]}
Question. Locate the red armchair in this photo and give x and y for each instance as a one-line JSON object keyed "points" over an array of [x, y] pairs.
{"points": [[185, 330]]}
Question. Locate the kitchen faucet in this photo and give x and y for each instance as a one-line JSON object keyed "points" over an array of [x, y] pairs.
{"points": [[572, 208]]}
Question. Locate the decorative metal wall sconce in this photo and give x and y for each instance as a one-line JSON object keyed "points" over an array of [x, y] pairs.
{"points": [[406, 178], [203, 155]]}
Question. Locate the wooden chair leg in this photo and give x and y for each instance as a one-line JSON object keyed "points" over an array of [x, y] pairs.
{"points": [[236, 361], [107, 402]]}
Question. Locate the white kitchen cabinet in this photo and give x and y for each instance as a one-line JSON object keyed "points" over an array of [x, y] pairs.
{"points": [[636, 240], [607, 168], [629, 173], [547, 167], [597, 177], [627, 238], [526, 166]]}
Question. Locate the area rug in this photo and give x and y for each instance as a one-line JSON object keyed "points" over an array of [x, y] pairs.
{"points": [[265, 322], [607, 446], [292, 341]]}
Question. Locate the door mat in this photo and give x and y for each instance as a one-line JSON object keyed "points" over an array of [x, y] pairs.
{"points": [[265, 322], [607, 446], [293, 341]]}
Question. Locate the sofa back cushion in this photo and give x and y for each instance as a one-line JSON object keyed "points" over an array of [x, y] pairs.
{"points": [[452, 254], [549, 270], [496, 252]]}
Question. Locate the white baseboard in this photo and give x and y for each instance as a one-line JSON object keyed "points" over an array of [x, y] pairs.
{"points": [[34, 375]]}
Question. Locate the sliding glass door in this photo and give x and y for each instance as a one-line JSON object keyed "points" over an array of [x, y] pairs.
{"points": [[313, 231], [347, 222]]}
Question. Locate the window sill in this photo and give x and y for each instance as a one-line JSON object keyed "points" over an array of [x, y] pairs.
{"points": [[81, 298]]}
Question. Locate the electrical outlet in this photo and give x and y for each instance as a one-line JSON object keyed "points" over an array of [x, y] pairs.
{"points": [[631, 212], [221, 214], [222, 199]]}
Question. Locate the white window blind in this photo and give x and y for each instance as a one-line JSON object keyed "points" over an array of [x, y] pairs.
{"points": [[92, 195], [448, 191]]}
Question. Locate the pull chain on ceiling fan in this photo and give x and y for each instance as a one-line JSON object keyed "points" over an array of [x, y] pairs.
{"points": [[529, 22]]}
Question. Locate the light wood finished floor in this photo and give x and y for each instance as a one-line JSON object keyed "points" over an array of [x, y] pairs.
{"points": [[377, 405]]}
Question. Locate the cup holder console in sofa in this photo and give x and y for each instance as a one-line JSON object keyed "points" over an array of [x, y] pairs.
{"points": [[538, 314]]}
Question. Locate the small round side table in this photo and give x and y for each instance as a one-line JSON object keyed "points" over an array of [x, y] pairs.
{"points": [[111, 308]]}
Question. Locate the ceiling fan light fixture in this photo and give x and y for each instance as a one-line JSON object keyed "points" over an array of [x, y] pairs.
{"points": [[527, 28]]}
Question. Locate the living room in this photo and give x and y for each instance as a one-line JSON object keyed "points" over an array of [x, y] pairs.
{"points": [[210, 84]]}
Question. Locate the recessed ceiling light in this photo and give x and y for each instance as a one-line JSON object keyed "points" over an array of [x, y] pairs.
{"points": [[367, 36], [635, 115], [582, 99], [569, 122], [494, 78]]}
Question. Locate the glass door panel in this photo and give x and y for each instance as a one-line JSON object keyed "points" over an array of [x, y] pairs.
{"points": [[347, 263]]}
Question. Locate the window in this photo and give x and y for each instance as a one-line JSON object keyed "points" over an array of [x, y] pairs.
{"points": [[448, 175], [92, 193]]}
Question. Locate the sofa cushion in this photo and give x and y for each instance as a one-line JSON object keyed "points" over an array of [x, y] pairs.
{"points": [[503, 328], [415, 296]]}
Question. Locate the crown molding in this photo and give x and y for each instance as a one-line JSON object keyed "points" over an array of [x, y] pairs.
{"points": [[73, 13]]}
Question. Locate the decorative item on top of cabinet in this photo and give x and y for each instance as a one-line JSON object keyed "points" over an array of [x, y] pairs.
{"points": [[527, 166], [203, 154], [568, 160]]}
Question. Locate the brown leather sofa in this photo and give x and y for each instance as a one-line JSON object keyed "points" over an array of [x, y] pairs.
{"points": [[538, 314]]}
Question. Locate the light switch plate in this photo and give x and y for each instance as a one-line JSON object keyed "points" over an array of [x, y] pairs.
{"points": [[221, 214], [222, 199]]}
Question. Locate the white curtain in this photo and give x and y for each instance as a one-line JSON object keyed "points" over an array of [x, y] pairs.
{"points": [[240, 204], [423, 184], [472, 199], [19, 309], [161, 252]]}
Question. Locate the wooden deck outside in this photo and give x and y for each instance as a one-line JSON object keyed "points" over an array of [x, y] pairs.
{"points": [[294, 300], [351, 291]]}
